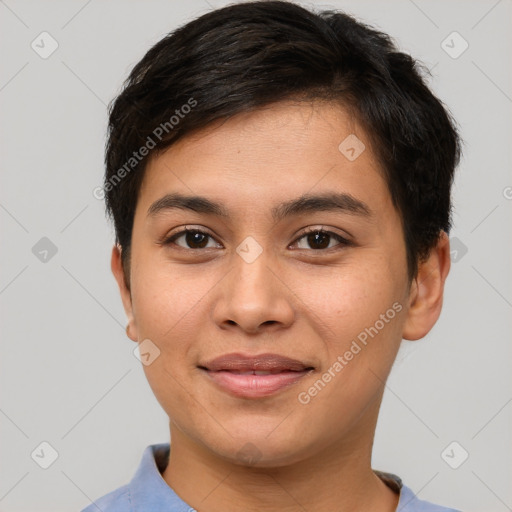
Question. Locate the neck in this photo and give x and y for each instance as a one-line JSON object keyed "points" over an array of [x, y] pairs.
{"points": [[338, 478]]}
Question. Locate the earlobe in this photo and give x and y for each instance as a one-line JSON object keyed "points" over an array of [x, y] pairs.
{"points": [[426, 294], [116, 265]]}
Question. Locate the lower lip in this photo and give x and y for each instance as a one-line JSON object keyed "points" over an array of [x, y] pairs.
{"points": [[255, 386]]}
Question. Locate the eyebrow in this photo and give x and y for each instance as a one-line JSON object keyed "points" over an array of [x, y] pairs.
{"points": [[307, 203]]}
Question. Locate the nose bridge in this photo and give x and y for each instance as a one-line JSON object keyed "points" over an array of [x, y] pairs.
{"points": [[251, 293], [252, 280]]}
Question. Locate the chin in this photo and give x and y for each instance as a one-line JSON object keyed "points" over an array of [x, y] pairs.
{"points": [[259, 450]]}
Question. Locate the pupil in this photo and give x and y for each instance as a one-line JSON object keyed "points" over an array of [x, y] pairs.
{"points": [[194, 239], [314, 237]]}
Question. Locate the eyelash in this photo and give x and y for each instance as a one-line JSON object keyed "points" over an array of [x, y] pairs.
{"points": [[342, 241]]}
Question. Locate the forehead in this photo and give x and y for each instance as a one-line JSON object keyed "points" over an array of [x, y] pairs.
{"points": [[289, 128], [264, 156]]}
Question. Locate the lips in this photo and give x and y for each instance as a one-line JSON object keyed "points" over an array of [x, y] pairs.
{"points": [[255, 376]]}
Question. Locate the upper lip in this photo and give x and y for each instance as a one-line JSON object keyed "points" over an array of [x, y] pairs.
{"points": [[261, 362]]}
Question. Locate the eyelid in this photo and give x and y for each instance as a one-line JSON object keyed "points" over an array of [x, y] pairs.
{"points": [[322, 229], [342, 240], [183, 230]]}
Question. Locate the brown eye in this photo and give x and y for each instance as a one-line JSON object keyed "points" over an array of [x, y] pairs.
{"points": [[320, 239], [193, 239]]}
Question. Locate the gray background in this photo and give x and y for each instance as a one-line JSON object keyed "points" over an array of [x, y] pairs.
{"points": [[68, 373]]}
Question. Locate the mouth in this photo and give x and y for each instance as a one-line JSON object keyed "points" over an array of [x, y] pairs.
{"points": [[255, 376]]}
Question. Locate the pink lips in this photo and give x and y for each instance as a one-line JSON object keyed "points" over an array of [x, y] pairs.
{"points": [[255, 376]]}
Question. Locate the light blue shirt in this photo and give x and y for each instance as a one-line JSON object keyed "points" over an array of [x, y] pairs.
{"points": [[148, 491]]}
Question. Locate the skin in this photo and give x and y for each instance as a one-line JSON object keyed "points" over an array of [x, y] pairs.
{"points": [[295, 300]]}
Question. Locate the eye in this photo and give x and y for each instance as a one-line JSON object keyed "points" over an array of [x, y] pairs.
{"points": [[316, 238], [319, 239], [193, 238]]}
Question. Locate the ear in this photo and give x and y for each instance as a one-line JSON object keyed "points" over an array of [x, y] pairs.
{"points": [[116, 265], [426, 294]]}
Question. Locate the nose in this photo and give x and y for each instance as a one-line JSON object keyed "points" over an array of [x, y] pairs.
{"points": [[253, 297]]}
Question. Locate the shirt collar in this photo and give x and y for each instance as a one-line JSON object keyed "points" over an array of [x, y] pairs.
{"points": [[148, 490]]}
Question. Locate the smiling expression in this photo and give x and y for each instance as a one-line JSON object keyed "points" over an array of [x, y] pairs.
{"points": [[255, 240]]}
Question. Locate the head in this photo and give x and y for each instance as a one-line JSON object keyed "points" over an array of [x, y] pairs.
{"points": [[312, 166]]}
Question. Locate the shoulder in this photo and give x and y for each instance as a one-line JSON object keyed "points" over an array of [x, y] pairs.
{"points": [[409, 502], [114, 501]]}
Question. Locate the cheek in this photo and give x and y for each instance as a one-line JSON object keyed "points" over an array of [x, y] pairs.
{"points": [[359, 318], [363, 322], [167, 300], [167, 309], [170, 307], [347, 300]]}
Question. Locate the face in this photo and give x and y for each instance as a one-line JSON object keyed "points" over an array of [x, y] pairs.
{"points": [[277, 321]]}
